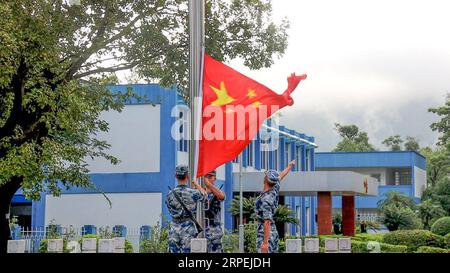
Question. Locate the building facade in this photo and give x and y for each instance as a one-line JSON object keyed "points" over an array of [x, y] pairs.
{"points": [[141, 138], [402, 171]]}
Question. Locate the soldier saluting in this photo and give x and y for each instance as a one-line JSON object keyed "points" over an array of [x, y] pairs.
{"points": [[213, 232], [265, 207], [182, 205]]}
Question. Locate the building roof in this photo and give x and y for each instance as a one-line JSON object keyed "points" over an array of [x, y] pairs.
{"points": [[370, 159]]}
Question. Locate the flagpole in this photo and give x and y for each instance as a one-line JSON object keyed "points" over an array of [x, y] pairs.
{"points": [[196, 43], [241, 208]]}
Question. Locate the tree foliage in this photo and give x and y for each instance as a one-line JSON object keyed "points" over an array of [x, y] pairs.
{"points": [[353, 140], [394, 142], [57, 60]]}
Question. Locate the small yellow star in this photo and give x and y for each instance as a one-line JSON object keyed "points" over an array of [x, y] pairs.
{"points": [[251, 93], [256, 104]]}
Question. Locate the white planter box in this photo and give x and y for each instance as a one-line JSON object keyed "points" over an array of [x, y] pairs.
{"points": [[106, 246], [293, 245], [331, 245], [89, 251], [55, 245], [89, 244], [74, 247], [198, 245], [345, 245], [16, 246], [119, 242], [311, 245], [119, 250]]}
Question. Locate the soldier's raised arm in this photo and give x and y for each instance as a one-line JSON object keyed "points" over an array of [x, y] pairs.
{"points": [[287, 170]]}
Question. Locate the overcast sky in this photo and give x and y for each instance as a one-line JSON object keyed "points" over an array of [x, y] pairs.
{"points": [[377, 64]]}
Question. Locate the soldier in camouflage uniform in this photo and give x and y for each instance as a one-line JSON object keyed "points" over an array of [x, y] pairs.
{"points": [[183, 229], [265, 207], [213, 231]]}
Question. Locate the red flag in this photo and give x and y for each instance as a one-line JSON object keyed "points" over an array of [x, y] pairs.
{"points": [[233, 109]]}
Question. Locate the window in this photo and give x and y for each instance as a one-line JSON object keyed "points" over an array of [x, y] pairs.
{"points": [[287, 154], [251, 154], [182, 144], [275, 159], [265, 160], [298, 158], [307, 159]]}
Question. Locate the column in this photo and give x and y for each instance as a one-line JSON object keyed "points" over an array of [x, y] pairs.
{"points": [[324, 214]]}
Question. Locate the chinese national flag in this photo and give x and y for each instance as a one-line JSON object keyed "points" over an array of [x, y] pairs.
{"points": [[226, 128]]}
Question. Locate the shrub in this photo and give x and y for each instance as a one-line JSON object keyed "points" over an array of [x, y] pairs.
{"points": [[128, 247], [447, 241], [359, 247], [441, 226], [387, 248], [250, 235], [158, 241], [281, 246], [430, 249], [230, 242], [413, 239], [378, 237]]}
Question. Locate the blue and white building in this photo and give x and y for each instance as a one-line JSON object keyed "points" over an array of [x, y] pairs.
{"points": [[140, 137], [402, 171]]}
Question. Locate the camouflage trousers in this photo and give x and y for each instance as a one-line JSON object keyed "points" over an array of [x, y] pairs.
{"points": [[273, 238], [180, 235], [213, 235]]}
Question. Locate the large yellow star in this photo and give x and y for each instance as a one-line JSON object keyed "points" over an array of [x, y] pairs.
{"points": [[251, 93], [222, 95]]}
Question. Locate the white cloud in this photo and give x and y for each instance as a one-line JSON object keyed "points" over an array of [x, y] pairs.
{"points": [[379, 64]]}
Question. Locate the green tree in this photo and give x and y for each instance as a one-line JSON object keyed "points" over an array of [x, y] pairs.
{"points": [[411, 144], [282, 215], [429, 211], [248, 207], [439, 193], [353, 140], [395, 218], [393, 142], [56, 61], [398, 211], [397, 199], [443, 125], [438, 164]]}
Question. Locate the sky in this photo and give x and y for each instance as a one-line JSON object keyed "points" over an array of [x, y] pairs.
{"points": [[377, 64]]}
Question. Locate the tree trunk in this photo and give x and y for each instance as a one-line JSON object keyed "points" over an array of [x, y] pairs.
{"points": [[7, 192]]}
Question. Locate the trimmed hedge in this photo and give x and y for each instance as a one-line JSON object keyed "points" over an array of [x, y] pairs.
{"points": [[387, 248], [441, 226], [430, 249], [359, 247], [413, 239], [447, 241], [377, 237]]}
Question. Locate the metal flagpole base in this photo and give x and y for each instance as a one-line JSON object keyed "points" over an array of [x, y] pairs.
{"points": [[241, 238]]}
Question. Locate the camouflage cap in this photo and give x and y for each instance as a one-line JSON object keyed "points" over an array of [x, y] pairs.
{"points": [[181, 170], [273, 177], [213, 172]]}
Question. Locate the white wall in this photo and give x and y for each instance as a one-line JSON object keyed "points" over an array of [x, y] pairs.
{"points": [[420, 181], [134, 137], [130, 209], [365, 171]]}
